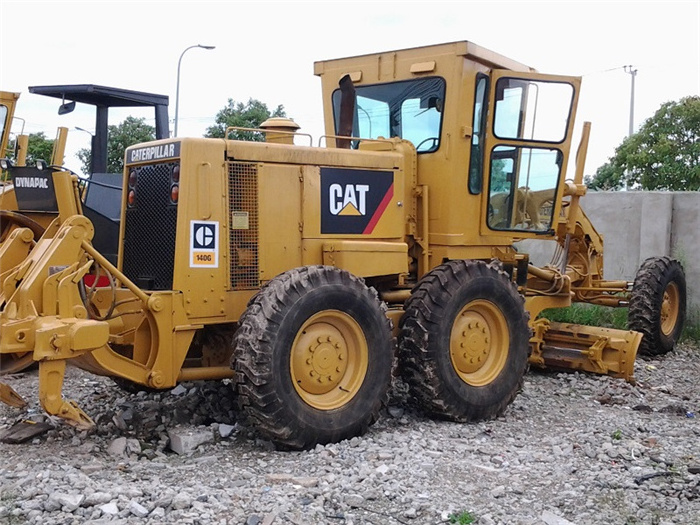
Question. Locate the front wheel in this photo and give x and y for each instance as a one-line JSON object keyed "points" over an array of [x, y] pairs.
{"points": [[657, 305], [464, 341], [313, 357]]}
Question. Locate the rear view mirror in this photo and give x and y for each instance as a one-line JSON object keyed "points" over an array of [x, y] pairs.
{"points": [[66, 108], [431, 103]]}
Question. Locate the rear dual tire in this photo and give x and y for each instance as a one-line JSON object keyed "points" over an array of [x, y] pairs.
{"points": [[464, 341]]}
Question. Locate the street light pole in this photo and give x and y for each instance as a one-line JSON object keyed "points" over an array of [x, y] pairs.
{"points": [[633, 72], [177, 89], [92, 147]]}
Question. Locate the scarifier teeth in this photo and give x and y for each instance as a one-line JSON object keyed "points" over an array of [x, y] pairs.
{"points": [[10, 397], [74, 416]]}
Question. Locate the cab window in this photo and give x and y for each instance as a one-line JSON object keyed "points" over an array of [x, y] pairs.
{"points": [[532, 110], [476, 159], [410, 109], [3, 118], [522, 187]]}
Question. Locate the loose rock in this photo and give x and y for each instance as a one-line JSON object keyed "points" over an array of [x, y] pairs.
{"points": [[571, 448]]}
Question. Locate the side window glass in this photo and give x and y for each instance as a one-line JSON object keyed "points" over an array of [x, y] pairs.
{"points": [[522, 188], [3, 117], [532, 110], [476, 159]]}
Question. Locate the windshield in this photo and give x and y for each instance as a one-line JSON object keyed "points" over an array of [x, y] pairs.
{"points": [[410, 109]]}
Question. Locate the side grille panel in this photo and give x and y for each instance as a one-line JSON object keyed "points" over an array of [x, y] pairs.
{"points": [[150, 228], [243, 225]]}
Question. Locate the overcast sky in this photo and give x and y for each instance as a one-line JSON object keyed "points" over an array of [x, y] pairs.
{"points": [[266, 50]]}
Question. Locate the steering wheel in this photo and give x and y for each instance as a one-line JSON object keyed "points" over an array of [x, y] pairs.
{"points": [[435, 141]]}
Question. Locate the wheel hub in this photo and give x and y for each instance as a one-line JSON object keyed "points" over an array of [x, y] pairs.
{"points": [[670, 308], [479, 342], [322, 363], [471, 347]]}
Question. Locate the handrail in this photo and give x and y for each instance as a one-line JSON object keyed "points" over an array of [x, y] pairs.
{"points": [[260, 130], [346, 137]]}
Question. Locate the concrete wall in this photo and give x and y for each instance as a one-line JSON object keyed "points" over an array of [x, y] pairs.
{"points": [[636, 225]]}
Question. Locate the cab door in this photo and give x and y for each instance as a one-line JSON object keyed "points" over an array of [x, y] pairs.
{"points": [[529, 134]]}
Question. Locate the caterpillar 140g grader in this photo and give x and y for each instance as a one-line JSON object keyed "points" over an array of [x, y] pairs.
{"points": [[283, 266]]}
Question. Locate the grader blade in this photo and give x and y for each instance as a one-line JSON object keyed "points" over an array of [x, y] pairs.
{"points": [[591, 349]]}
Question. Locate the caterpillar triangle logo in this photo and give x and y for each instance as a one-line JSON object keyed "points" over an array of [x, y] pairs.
{"points": [[349, 210]]}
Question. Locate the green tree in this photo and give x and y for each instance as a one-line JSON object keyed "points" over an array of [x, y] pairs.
{"points": [[131, 131], [499, 177], [240, 115], [663, 155], [39, 148], [606, 178]]}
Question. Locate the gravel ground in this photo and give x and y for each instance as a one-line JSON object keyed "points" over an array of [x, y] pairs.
{"points": [[572, 448]]}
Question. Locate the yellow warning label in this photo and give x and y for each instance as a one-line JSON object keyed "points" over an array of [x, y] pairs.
{"points": [[202, 259], [239, 220]]}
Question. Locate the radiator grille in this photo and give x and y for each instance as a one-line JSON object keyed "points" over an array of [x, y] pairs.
{"points": [[150, 228], [243, 225]]}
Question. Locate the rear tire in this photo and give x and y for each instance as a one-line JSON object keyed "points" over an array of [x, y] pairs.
{"points": [[313, 357], [657, 305], [464, 341]]}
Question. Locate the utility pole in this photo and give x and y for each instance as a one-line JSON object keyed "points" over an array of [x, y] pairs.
{"points": [[633, 73]]}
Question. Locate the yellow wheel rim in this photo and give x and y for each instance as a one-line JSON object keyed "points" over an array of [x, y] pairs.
{"points": [[479, 343], [670, 309], [329, 359]]}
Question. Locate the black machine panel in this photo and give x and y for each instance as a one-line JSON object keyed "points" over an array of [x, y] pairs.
{"points": [[34, 189], [149, 229]]}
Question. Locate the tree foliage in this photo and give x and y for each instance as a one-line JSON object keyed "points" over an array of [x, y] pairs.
{"points": [[499, 177], [663, 155], [606, 178], [238, 114], [39, 148], [131, 131]]}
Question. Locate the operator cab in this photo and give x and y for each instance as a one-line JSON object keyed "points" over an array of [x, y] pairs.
{"points": [[511, 126]]}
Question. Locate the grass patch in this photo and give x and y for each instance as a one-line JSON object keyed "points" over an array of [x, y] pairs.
{"points": [[608, 317], [589, 315], [462, 518], [691, 330]]}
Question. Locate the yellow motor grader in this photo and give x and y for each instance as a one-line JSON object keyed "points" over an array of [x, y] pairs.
{"points": [[27, 196], [18, 151], [307, 272]]}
